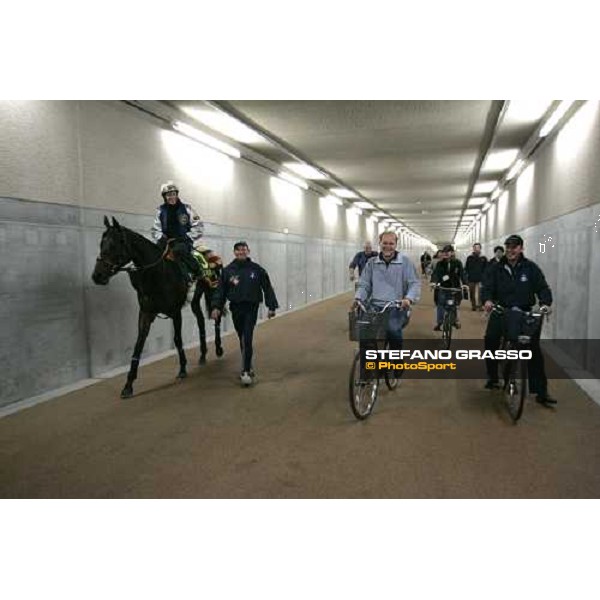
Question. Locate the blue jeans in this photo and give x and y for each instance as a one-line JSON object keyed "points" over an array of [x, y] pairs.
{"points": [[395, 324]]}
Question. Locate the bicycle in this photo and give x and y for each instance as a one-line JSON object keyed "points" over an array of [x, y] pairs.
{"points": [[450, 313], [363, 393], [514, 370]]}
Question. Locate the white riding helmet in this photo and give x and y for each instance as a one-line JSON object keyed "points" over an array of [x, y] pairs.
{"points": [[168, 187]]}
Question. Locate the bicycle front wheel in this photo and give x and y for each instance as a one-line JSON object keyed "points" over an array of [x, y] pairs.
{"points": [[447, 331], [362, 392], [515, 387], [392, 378]]}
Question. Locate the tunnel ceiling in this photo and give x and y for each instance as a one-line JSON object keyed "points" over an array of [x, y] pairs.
{"points": [[412, 159]]}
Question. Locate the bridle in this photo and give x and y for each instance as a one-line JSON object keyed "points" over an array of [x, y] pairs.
{"points": [[116, 268]]}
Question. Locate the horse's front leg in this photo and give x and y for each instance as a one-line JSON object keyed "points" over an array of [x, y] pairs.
{"points": [[197, 310], [179, 345], [144, 322]]}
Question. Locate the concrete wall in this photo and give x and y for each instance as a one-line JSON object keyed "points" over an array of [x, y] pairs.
{"points": [[63, 165], [555, 206]]}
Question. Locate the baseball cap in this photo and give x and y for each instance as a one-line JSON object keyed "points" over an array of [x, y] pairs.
{"points": [[513, 240]]}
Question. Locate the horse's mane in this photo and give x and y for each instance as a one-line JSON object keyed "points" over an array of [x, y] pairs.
{"points": [[138, 238]]}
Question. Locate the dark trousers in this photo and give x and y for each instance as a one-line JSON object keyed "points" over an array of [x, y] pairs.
{"points": [[496, 329], [244, 315], [182, 250], [475, 293]]}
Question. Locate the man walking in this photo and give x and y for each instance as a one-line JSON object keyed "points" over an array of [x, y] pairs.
{"points": [[243, 282], [474, 269]]}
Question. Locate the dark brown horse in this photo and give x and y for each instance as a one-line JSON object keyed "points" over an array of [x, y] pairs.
{"points": [[159, 283]]}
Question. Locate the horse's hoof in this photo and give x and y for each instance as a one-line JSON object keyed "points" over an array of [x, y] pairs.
{"points": [[219, 351], [126, 392], [202, 360], [181, 375]]}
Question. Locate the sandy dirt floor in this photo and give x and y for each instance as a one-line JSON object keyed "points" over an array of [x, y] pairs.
{"points": [[293, 435]]}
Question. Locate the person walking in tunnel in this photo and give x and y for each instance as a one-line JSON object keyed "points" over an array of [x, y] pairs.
{"points": [[516, 281], [390, 277], [425, 262], [474, 268], [448, 273], [243, 283], [360, 260], [178, 224]]}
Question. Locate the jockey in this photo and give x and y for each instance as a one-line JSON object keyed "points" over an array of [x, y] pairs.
{"points": [[178, 223]]}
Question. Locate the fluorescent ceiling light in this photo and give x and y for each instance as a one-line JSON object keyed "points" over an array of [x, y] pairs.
{"points": [[334, 199], [485, 187], [380, 214], [295, 180], [343, 193], [364, 205], [206, 139], [526, 111], [555, 117], [225, 124], [476, 202], [496, 193], [304, 170], [486, 207], [355, 210], [515, 169], [500, 160]]}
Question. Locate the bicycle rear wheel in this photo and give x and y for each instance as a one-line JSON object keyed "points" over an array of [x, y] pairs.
{"points": [[515, 387], [362, 393]]}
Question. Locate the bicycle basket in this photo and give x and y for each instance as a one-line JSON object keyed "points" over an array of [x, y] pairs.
{"points": [[530, 325], [450, 298], [366, 326], [519, 324]]}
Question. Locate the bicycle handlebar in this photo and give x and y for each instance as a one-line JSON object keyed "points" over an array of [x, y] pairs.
{"points": [[437, 285], [497, 308], [391, 304]]}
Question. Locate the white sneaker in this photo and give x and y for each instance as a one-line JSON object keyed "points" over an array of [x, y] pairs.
{"points": [[245, 379]]}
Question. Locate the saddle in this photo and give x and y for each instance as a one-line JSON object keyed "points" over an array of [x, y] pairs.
{"points": [[210, 264]]}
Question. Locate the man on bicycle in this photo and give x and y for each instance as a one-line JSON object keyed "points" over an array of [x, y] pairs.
{"points": [[448, 273], [515, 281], [360, 260], [389, 277]]}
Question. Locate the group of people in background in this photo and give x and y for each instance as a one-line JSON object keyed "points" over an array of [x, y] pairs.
{"points": [[508, 279]]}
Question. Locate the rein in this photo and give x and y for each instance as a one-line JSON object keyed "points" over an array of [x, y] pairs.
{"points": [[116, 269]]}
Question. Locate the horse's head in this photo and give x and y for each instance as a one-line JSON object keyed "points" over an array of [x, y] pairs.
{"points": [[114, 253]]}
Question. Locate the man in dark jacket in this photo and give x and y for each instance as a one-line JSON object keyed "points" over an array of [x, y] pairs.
{"points": [[448, 273], [243, 283], [360, 260], [425, 262], [474, 268], [516, 281]]}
